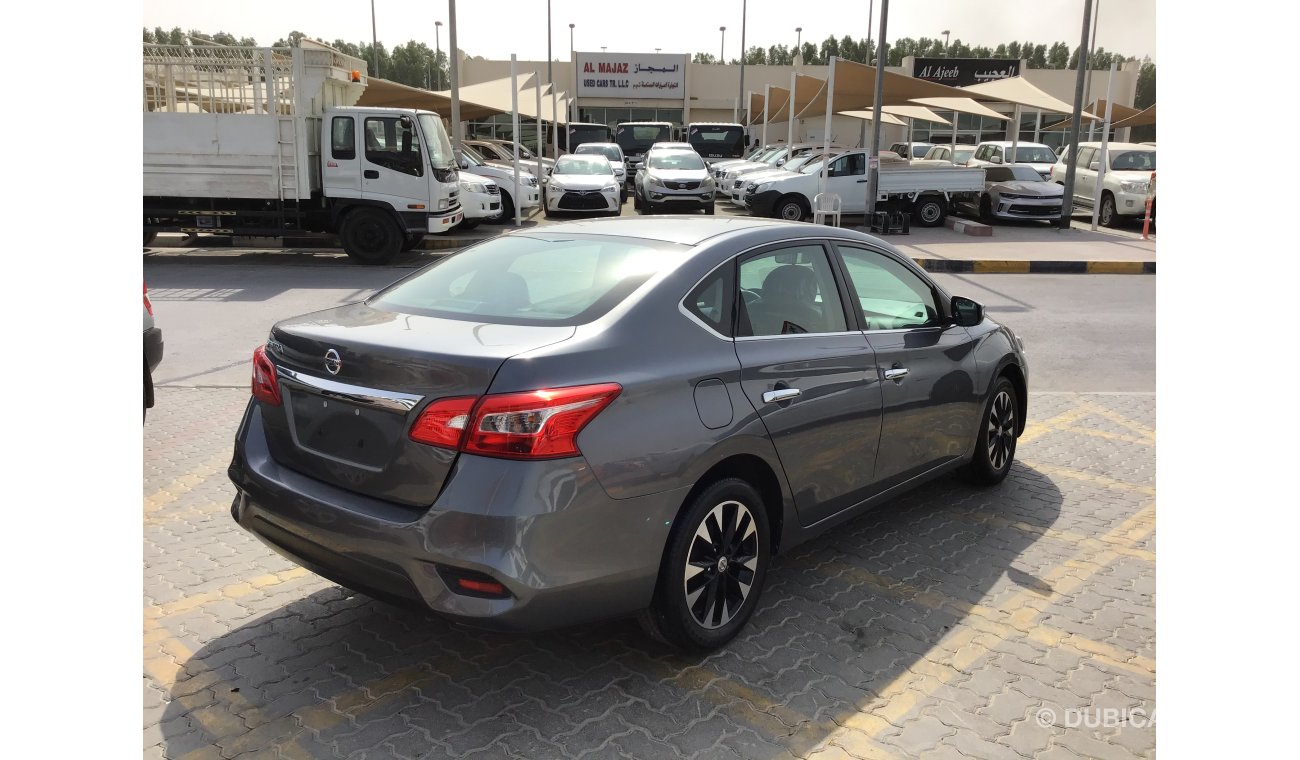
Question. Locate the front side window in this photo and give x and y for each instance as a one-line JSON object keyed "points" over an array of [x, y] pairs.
{"points": [[891, 296], [1085, 157], [343, 138], [850, 165], [789, 291], [393, 144], [1034, 155]]}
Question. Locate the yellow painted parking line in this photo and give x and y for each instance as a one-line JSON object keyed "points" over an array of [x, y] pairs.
{"points": [[1089, 477], [1140, 441], [186, 483], [1036, 428], [233, 591], [1066, 536], [1119, 419], [876, 716]]}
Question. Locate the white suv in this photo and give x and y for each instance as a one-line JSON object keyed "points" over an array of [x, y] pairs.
{"points": [[1123, 185], [997, 152], [525, 196]]}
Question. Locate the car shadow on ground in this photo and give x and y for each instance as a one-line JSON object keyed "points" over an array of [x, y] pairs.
{"points": [[844, 619]]}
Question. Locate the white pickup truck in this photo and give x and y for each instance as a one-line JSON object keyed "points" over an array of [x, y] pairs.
{"points": [[925, 189]]}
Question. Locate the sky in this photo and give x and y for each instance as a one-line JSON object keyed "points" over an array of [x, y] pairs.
{"points": [[496, 28]]}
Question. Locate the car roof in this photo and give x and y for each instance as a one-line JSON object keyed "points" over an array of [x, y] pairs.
{"points": [[1118, 146], [685, 230], [585, 156], [1021, 144], [672, 146], [598, 145]]}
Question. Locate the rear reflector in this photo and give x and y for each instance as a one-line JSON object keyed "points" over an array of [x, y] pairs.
{"points": [[472, 583], [541, 424], [266, 388]]}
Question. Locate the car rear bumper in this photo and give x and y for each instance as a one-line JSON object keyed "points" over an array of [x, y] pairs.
{"points": [[153, 348], [547, 531]]}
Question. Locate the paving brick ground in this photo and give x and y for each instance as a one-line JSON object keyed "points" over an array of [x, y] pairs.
{"points": [[1016, 622]]}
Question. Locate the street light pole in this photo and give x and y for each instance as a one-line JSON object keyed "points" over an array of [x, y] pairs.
{"points": [[437, 52], [722, 52], [454, 74], [374, 39], [744, 16], [798, 38], [549, 78], [946, 32], [1072, 139], [573, 96]]}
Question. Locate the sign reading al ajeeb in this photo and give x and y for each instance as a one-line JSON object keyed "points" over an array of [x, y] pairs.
{"points": [[632, 75]]}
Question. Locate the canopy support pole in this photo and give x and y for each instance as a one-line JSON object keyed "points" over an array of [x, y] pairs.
{"points": [[909, 139], [555, 132], [767, 98], [1015, 134], [789, 139], [953, 156], [539, 129], [1105, 159], [873, 167], [514, 122], [1038, 126], [826, 136], [455, 77], [1067, 199]]}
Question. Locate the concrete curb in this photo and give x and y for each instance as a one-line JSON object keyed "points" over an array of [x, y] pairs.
{"points": [[967, 227], [996, 266]]}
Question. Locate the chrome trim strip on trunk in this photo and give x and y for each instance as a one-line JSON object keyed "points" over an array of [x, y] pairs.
{"points": [[388, 400]]}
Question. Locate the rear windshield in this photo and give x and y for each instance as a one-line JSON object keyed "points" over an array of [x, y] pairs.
{"points": [[531, 280], [675, 160]]}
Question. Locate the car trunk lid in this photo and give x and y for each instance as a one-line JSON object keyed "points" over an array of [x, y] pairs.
{"points": [[354, 379]]}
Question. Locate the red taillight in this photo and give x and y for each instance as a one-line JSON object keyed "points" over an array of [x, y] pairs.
{"points": [[540, 424], [490, 588], [443, 422], [265, 386], [147, 306]]}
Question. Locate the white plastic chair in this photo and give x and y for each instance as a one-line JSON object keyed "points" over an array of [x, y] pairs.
{"points": [[826, 205]]}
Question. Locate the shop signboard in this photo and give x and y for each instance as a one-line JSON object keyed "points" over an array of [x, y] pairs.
{"points": [[632, 75], [959, 72]]}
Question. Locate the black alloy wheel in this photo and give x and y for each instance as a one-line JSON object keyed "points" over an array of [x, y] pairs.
{"points": [[713, 570]]}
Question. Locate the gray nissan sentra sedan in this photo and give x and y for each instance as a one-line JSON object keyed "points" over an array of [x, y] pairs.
{"points": [[617, 417]]}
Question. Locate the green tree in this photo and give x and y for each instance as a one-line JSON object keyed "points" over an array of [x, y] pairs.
{"points": [[1000, 51], [981, 51], [411, 64], [704, 58], [959, 49], [1013, 50], [849, 49], [1038, 59], [809, 52], [830, 47], [1145, 97], [1074, 59], [1059, 56], [755, 56]]}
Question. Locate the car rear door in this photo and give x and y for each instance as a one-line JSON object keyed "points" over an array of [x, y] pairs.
{"points": [[924, 363], [809, 376]]}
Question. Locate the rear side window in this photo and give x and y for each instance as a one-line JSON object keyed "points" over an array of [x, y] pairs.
{"points": [[532, 280], [710, 302], [343, 138]]}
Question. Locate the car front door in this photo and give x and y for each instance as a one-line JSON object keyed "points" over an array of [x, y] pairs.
{"points": [[393, 166], [847, 178], [810, 377], [1084, 176], [925, 364]]}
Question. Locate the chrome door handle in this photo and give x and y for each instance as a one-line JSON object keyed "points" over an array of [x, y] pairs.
{"points": [[896, 373], [784, 394]]}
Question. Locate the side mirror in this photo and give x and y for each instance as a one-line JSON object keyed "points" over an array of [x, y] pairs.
{"points": [[549, 170], [463, 163], [965, 312], [995, 159], [1094, 166]]}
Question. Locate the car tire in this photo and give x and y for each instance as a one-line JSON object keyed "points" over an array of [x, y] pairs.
{"points": [[986, 210], [371, 236], [148, 391], [617, 212], [636, 201], [929, 210], [1108, 216], [791, 208], [647, 209], [995, 443], [149, 237], [701, 577], [709, 209]]}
